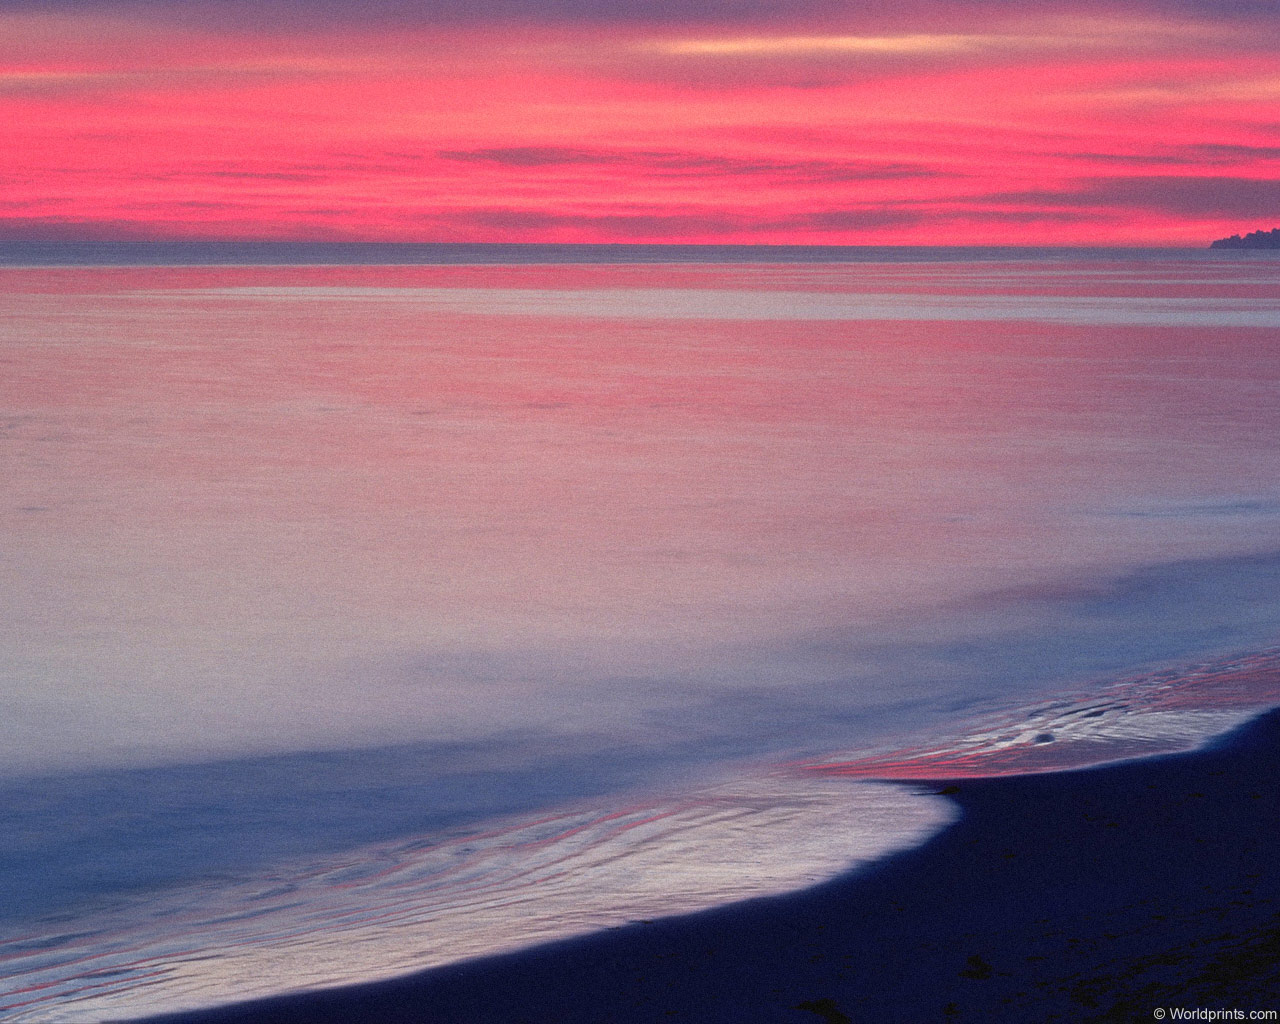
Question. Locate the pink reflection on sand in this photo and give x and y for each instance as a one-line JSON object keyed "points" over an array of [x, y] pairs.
{"points": [[1159, 712]]}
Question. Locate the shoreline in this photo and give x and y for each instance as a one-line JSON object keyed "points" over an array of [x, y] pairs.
{"points": [[381, 912], [1088, 894]]}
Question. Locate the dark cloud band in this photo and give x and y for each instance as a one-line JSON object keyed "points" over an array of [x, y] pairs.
{"points": [[307, 14]]}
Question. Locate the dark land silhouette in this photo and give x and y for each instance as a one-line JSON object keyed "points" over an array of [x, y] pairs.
{"points": [[1253, 240]]}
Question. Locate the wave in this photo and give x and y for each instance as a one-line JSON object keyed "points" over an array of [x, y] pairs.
{"points": [[392, 908]]}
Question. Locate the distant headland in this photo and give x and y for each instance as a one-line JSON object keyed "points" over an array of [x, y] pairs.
{"points": [[1253, 240]]}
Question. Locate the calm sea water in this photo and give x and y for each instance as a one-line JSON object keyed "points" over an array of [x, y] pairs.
{"points": [[361, 617]]}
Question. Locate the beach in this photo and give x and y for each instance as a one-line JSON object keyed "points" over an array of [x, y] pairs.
{"points": [[1100, 894], [596, 512], [367, 619]]}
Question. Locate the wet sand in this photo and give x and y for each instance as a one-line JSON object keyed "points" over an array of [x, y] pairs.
{"points": [[1097, 894]]}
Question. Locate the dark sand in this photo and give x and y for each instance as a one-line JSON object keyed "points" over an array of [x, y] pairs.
{"points": [[1094, 895]]}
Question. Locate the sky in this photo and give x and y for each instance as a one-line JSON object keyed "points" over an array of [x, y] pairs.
{"points": [[736, 121]]}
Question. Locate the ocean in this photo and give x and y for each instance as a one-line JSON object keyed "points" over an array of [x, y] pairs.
{"points": [[369, 608]]}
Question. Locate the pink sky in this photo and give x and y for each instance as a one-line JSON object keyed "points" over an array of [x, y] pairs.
{"points": [[1153, 124]]}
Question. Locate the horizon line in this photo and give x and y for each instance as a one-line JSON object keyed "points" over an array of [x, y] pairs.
{"points": [[35, 253]]}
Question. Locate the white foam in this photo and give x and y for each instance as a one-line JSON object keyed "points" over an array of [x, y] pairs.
{"points": [[392, 909]]}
